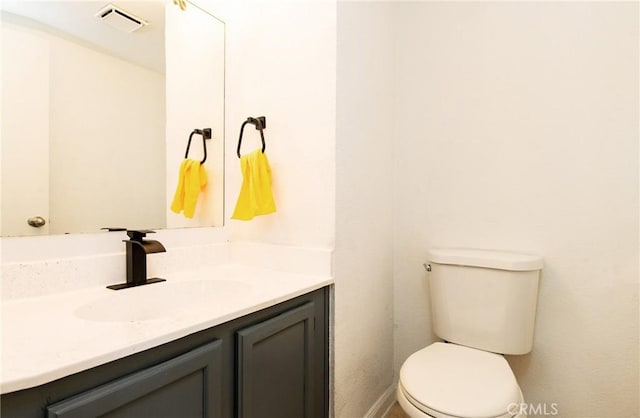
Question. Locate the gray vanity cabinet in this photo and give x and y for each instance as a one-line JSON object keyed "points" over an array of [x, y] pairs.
{"points": [[188, 386], [271, 363], [276, 366]]}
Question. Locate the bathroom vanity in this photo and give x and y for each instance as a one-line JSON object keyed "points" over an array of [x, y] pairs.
{"points": [[259, 354]]}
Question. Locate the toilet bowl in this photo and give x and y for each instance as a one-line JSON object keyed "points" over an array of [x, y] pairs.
{"points": [[453, 381], [483, 303]]}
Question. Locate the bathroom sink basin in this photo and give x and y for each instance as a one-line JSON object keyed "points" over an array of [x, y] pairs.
{"points": [[165, 299]]}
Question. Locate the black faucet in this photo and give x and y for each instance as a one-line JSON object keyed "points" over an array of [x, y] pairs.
{"points": [[137, 250]]}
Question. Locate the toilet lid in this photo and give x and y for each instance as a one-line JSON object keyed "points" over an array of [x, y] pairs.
{"points": [[460, 381]]}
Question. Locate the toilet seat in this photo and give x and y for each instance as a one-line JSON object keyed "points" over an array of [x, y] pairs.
{"points": [[448, 380]]}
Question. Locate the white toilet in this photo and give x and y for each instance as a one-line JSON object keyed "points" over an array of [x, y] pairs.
{"points": [[482, 303]]}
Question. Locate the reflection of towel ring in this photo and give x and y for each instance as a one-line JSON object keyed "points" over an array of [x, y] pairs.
{"points": [[206, 134], [261, 123]]}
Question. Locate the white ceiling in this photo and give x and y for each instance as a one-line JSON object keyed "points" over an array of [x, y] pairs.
{"points": [[77, 19]]}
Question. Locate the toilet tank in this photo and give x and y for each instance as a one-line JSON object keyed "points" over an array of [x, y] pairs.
{"points": [[484, 299]]}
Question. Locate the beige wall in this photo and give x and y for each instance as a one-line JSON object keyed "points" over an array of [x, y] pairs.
{"points": [[517, 128]]}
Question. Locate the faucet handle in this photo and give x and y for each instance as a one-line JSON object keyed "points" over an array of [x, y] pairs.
{"points": [[139, 234]]}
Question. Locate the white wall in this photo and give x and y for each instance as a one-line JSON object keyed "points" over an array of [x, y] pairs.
{"points": [[363, 257], [281, 64], [517, 128]]}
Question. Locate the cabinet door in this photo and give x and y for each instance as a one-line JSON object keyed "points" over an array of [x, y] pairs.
{"points": [[276, 366], [186, 386]]}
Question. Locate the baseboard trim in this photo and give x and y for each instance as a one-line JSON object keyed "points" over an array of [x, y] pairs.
{"points": [[383, 404]]}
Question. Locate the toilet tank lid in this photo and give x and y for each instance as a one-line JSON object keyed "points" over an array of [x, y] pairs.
{"points": [[501, 260]]}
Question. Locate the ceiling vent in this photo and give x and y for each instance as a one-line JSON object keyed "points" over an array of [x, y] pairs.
{"points": [[119, 19]]}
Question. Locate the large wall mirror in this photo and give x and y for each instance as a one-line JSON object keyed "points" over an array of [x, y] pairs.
{"points": [[96, 116]]}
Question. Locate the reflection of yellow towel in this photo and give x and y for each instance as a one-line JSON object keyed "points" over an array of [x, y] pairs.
{"points": [[255, 197], [192, 178]]}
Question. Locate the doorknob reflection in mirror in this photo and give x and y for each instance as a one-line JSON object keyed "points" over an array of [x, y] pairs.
{"points": [[36, 221]]}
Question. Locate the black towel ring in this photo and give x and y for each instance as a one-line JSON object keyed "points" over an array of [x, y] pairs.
{"points": [[206, 134], [260, 123]]}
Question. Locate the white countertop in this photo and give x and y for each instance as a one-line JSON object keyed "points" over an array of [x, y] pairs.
{"points": [[48, 337]]}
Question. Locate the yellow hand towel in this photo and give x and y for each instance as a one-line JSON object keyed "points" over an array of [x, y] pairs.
{"points": [[255, 197], [192, 178]]}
